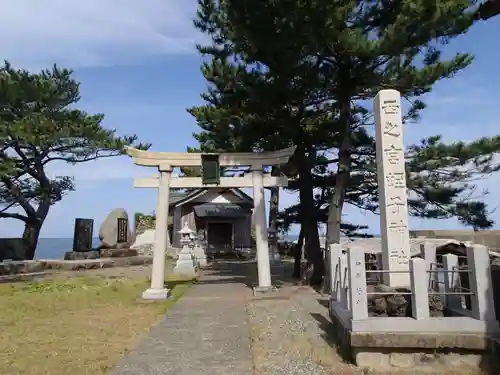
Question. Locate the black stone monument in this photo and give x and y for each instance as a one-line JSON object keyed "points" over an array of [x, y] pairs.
{"points": [[82, 238]]}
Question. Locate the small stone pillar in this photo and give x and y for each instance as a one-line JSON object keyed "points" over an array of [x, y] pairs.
{"points": [[186, 264], [199, 252], [274, 255]]}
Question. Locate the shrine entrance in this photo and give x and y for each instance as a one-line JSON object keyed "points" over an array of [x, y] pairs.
{"points": [[211, 178], [220, 237]]}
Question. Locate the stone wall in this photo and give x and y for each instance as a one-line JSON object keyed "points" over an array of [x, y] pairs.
{"points": [[393, 303], [144, 222]]}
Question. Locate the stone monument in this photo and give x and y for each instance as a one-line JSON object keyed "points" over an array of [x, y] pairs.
{"points": [[186, 263], [82, 241], [115, 232], [405, 322], [82, 237], [391, 177]]}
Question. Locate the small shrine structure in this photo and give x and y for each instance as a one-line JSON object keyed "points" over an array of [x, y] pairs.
{"points": [[210, 164]]}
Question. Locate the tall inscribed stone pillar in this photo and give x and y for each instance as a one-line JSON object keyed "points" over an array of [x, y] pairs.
{"points": [[391, 178]]}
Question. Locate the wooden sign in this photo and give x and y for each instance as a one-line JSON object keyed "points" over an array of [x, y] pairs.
{"points": [[210, 169], [82, 237]]}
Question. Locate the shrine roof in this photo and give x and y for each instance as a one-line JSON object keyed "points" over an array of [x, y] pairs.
{"points": [[179, 198], [219, 210]]}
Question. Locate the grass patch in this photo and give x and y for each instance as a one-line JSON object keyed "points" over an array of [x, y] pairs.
{"points": [[81, 325]]}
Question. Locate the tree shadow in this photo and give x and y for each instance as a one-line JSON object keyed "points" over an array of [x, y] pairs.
{"points": [[173, 283], [244, 272], [331, 336]]}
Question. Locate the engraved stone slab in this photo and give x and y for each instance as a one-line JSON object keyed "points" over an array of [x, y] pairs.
{"points": [[392, 188], [82, 237]]}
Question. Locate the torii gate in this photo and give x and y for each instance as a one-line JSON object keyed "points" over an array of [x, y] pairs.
{"points": [[210, 164]]}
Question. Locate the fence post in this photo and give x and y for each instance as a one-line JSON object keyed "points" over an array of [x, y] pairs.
{"points": [[343, 295], [451, 281], [334, 253], [428, 251], [419, 291], [357, 284], [482, 304]]}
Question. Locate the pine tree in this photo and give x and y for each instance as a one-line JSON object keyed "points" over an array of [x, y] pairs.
{"points": [[39, 125], [305, 73]]}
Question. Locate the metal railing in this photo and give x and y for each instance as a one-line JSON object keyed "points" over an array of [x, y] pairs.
{"points": [[455, 280]]}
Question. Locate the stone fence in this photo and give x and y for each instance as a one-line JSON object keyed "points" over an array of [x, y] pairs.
{"points": [[488, 238], [373, 308]]}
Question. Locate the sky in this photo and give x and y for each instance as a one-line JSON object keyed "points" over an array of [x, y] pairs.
{"points": [[137, 64]]}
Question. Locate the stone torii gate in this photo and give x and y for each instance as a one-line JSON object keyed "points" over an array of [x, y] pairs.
{"points": [[210, 165]]}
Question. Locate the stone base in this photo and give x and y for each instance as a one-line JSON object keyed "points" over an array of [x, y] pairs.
{"points": [[118, 253], [156, 294], [398, 343], [420, 360], [264, 289], [185, 265], [202, 261], [81, 255], [72, 265]]}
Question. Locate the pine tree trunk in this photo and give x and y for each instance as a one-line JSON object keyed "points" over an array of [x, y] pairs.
{"points": [[297, 264], [33, 227], [343, 177], [338, 197], [309, 222], [30, 239]]}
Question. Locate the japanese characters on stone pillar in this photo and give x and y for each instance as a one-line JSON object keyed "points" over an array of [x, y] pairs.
{"points": [[392, 188]]}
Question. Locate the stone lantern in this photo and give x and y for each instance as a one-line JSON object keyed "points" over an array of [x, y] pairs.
{"points": [[186, 263], [186, 236]]}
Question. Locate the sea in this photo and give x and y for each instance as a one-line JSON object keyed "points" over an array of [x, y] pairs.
{"points": [[54, 248]]}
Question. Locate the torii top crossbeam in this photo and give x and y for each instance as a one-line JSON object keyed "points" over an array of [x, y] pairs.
{"points": [[188, 159]]}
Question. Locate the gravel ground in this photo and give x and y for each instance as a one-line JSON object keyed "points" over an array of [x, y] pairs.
{"points": [[288, 337]]}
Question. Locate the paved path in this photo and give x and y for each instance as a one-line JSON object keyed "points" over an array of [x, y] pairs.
{"points": [[206, 332]]}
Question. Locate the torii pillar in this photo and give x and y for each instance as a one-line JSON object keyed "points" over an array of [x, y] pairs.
{"points": [[166, 161]]}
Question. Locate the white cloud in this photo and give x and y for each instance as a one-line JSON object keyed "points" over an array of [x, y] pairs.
{"points": [[94, 32], [100, 170]]}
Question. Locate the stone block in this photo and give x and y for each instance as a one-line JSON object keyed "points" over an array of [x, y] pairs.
{"points": [[11, 248], [81, 255], [118, 253], [401, 360], [20, 266]]}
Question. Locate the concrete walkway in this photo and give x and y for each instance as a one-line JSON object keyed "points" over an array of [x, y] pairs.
{"points": [[206, 332]]}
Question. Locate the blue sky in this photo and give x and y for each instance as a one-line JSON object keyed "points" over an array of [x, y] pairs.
{"points": [[138, 65]]}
